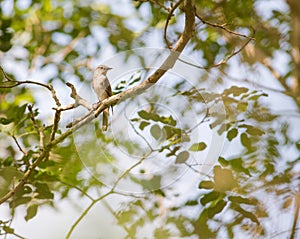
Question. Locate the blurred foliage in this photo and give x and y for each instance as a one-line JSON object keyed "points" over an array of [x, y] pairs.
{"points": [[230, 202]]}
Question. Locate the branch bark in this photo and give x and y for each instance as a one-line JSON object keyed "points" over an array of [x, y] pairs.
{"points": [[295, 42]]}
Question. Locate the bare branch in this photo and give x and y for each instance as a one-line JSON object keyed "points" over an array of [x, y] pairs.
{"points": [[17, 83], [85, 212], [201, 121], [57, 113], [138, 133], [67, 107], [157, 3], [223, 61], [222, 26], [129, 169], [296, 216], [18, 145], [167, 22], [60, 55], [36, 127], [79, 100]]}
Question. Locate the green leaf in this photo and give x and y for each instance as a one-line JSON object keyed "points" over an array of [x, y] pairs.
{"points": [[8, 230], [245, 140], [191, 203], [43, 191], [223, 161], [143, 124], [213, 210], [245, 213], [144, 114], [19, 201], [232, 134], [173, 151], [255, 97], [298, 145], [135, 80], [171, 132], [236, 91], [206, 184], [237, 165], [148, 116], [151, 184], [182, 157], [5, 121], [224, 179], [242, 200], [242, 106], [31, 212], [155, 131], [162, 233], [198, 146], [252, 130], [210, 197], [168, 120]]}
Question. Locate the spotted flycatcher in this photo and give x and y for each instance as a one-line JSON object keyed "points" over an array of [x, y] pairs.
{"points": [[102, 88]]}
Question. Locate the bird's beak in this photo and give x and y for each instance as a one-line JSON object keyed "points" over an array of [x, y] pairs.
{"points": [[109, 68]]}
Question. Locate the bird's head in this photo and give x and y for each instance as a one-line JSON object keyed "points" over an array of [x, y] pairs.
{"points": [[103, 69]]}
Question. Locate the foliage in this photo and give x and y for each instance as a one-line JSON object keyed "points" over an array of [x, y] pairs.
{"points": [[54, 42]]}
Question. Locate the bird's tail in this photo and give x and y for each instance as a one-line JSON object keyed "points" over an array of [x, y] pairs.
{"points": [[105, 119]]}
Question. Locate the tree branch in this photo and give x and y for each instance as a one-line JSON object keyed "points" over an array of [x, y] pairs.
{"points": [[222, 26], [296, 215], [26, 175], [36, 127], [223, 61], [168, 20]]}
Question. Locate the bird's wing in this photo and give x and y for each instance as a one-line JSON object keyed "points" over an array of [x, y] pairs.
{"points": [[108, 88], [108, 91]]}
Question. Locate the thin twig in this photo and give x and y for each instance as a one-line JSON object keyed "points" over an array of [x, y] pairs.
{"points": [[5, 75], [17, 83], [129, 169], [192, 167], [57, 114], [111, 191], [245, 80], [161, 5], [59, 56], [18, 145], [85, 212], [78, 99], [167, 22], [106, 204], [36, 127], [222, 62], [222, 26], [137, 132], [201, 121], [65, 108], [79, 189]]}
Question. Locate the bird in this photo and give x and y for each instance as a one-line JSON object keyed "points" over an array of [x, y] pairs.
{"points": [[102, 88]]}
